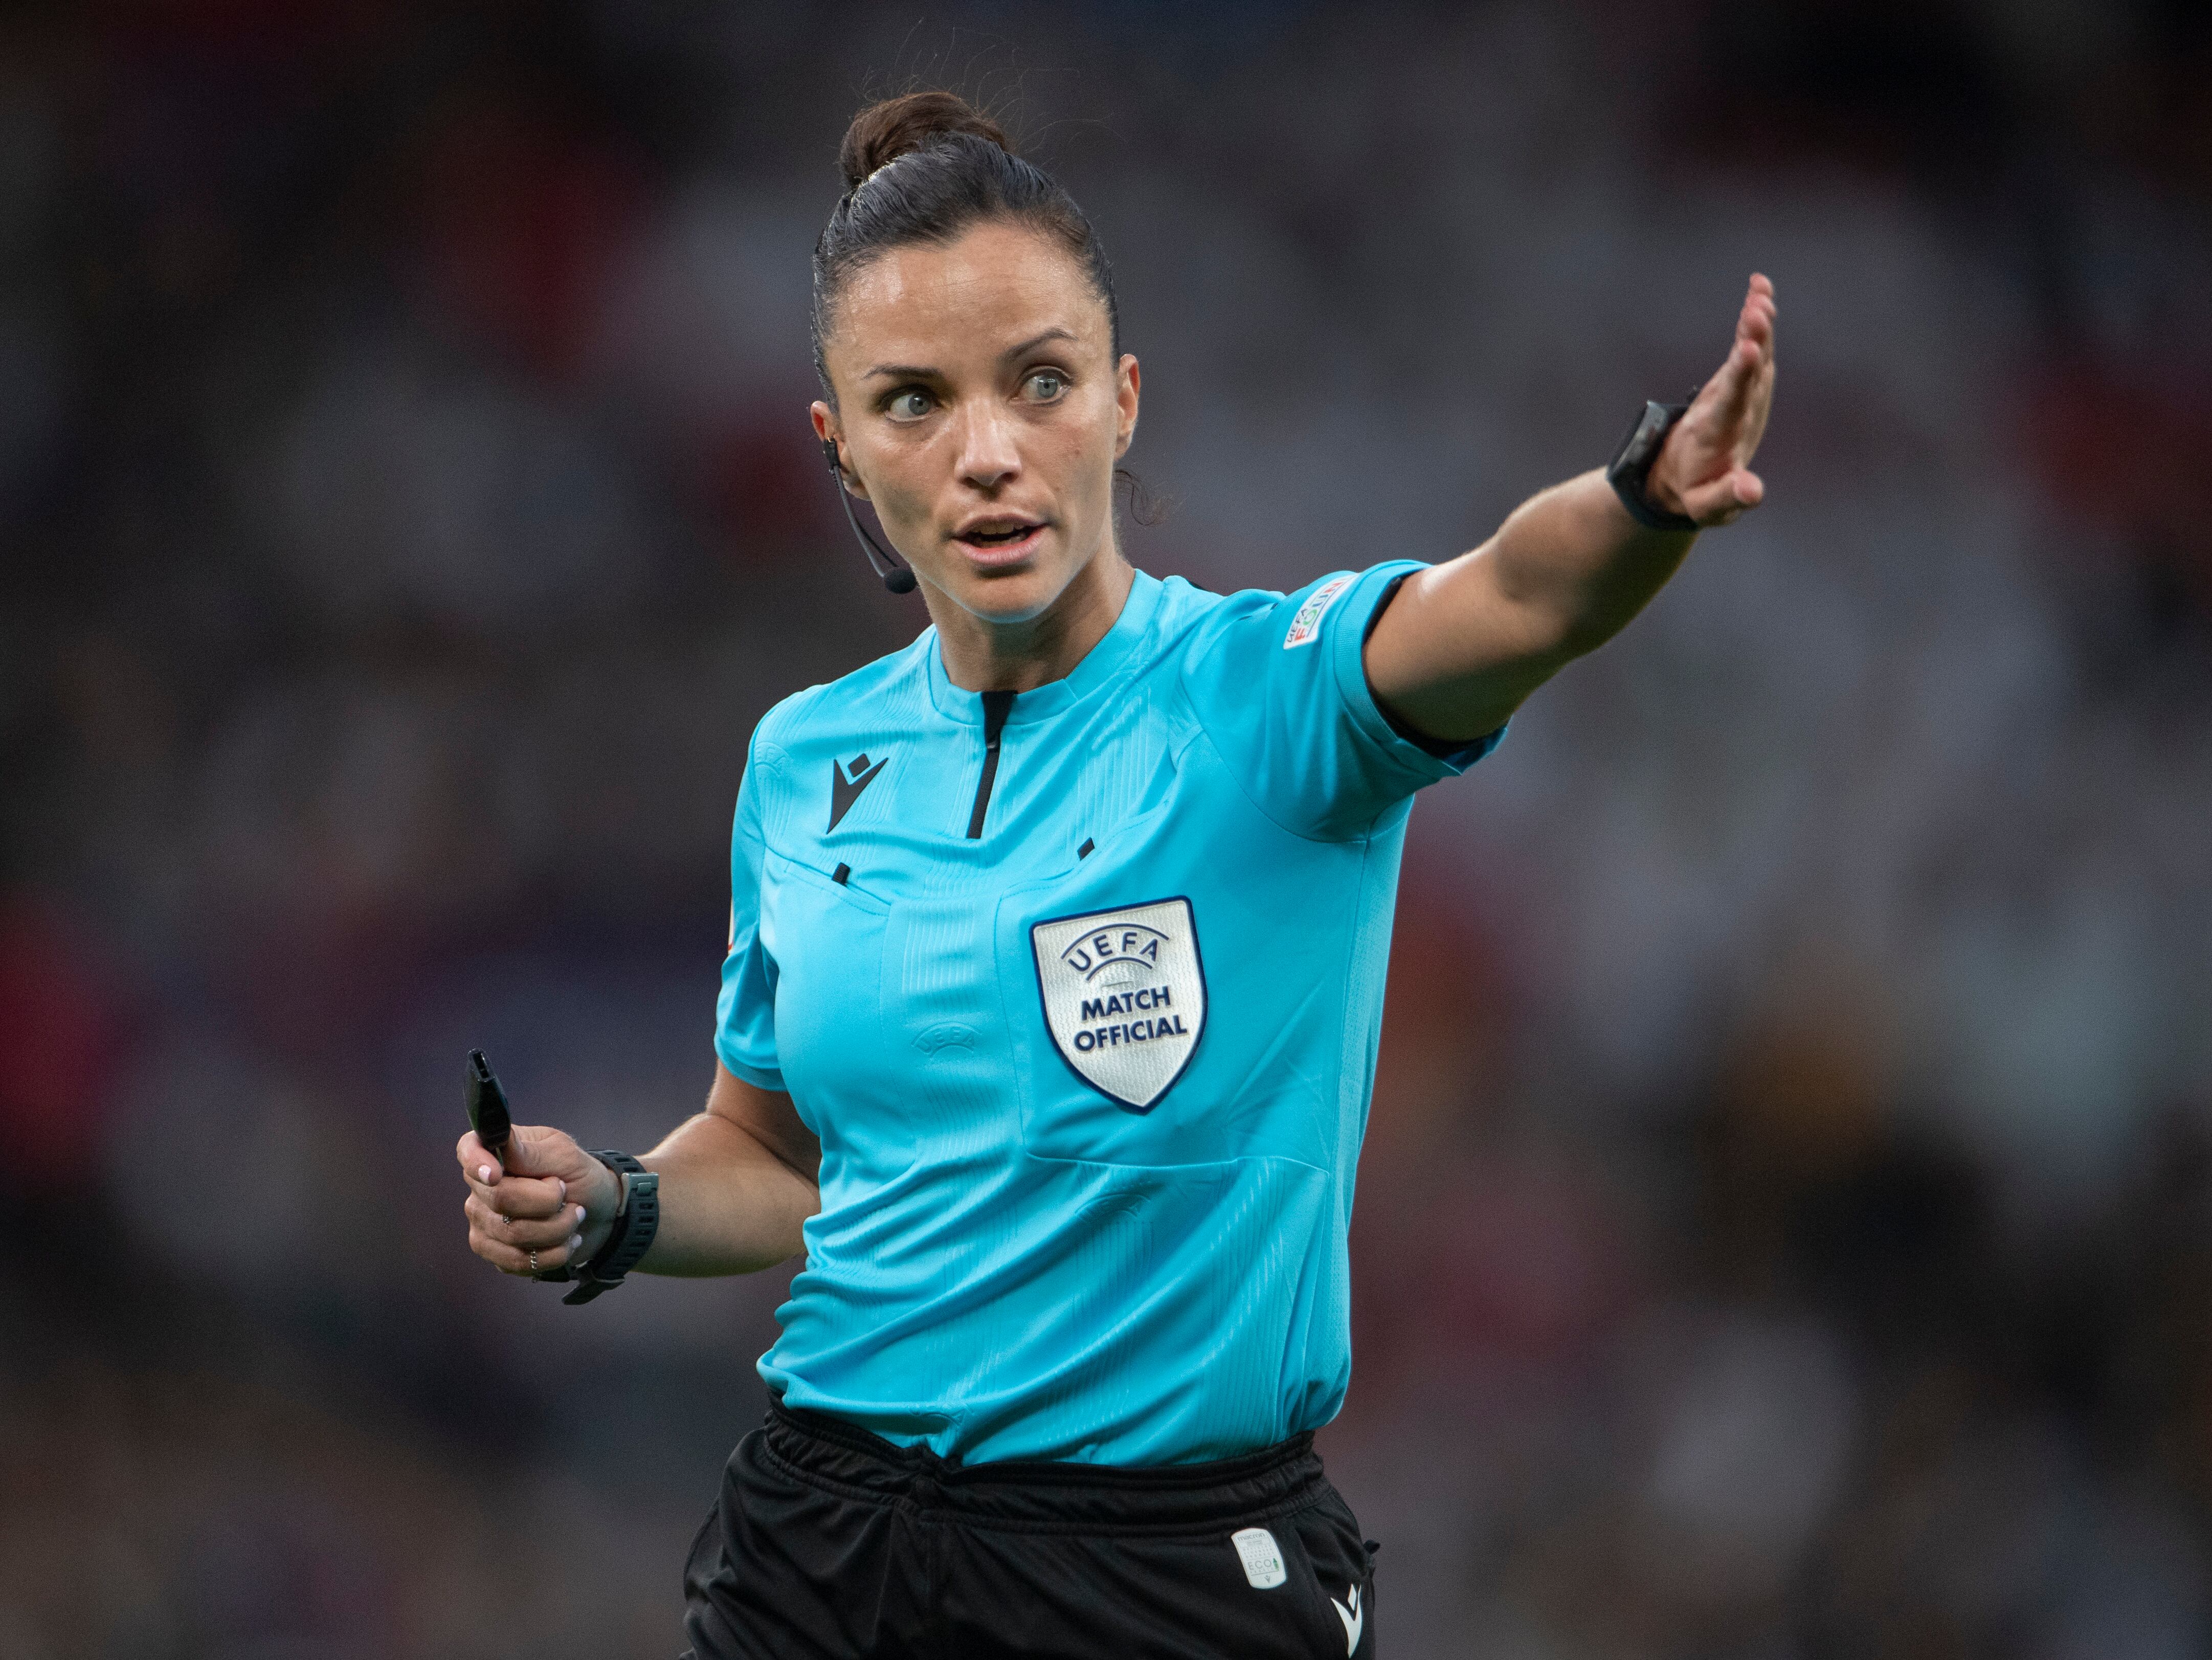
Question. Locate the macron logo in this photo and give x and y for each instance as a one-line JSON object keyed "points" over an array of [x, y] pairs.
{"points": [[1354, 1618], [846, 779]]}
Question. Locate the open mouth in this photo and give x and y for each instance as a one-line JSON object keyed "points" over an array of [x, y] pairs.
{"points": [[998, 535]]}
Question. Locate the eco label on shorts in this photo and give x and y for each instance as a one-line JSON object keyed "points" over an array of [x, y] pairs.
{"points": [[1305, 627], [1261, 1556], [1124, 996]]}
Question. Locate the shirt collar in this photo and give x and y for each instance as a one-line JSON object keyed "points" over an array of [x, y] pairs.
{"points": [[1100, 665]]}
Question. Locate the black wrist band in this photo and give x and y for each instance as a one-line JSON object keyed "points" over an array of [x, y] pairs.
{"points": [[637, 1219], [1630, 473]]}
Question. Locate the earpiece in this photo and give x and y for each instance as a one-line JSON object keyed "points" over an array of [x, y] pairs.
{"points": [[898, 578]]}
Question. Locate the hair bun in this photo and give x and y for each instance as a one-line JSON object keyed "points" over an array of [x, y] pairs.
{"points": [[883, 132]]}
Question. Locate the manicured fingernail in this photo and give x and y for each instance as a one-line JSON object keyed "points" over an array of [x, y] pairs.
{"points": [[483, 1172], [580, 1214], [574, 1240], [563, 1186]]}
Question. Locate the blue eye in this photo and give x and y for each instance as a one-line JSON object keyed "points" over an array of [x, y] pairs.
{"points": [[910, 405], [1047, 384]]}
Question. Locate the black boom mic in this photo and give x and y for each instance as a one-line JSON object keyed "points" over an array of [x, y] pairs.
{"points": [[898, 578]]}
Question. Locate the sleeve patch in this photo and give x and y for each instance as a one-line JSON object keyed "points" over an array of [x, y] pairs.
{"points": [[1305, 627]]}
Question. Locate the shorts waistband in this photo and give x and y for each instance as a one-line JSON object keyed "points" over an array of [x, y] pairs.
{"points": [[828, 1453]]}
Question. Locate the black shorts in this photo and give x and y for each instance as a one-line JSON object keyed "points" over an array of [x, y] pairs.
{"points": [[829, 1543]]}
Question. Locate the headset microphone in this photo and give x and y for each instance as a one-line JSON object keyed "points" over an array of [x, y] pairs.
{"points": [[898, 579]]}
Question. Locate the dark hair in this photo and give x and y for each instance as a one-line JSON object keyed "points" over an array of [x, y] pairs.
{"points": [[925, 167]]}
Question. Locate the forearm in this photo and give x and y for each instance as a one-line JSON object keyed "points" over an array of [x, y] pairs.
{"points": [[1577, 567], [728, 1205], [1464, 643]]}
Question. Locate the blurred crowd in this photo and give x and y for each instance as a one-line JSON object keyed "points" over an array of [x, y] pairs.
{"points": [[1786, 1223]]}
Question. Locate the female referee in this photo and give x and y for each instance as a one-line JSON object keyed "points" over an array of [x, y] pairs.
{"points": [[1048, 1021]]}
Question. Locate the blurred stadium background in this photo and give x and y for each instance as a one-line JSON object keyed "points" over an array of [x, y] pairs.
{"points": [[1786, 1227]]}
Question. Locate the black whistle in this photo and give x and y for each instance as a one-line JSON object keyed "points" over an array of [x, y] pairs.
{"points": [[488, 1107]]}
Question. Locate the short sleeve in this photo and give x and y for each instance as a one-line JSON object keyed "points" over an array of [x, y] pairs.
{"points": [[744, 1032], [1280, 686]]}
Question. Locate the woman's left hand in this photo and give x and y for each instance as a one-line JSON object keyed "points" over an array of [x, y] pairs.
{"points": [[1703, 471]]}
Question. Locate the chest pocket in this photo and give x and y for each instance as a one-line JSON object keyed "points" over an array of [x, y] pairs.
{"points": [[826, 936], [1112, 974], [945, 1016]]}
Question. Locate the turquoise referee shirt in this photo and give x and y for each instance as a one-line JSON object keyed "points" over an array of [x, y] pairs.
{"points": [[1080, 990]]}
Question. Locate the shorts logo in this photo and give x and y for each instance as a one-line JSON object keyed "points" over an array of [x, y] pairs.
{"points": [[1124, 996], [1305, 627], [1354, 1618], [1261, 1556]]}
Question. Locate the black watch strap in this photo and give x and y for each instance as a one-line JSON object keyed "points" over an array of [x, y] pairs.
{"points": [[638, 1221], [1630, 473]]}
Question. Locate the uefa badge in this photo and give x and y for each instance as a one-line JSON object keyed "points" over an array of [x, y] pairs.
{"points": [[1124, 996]]}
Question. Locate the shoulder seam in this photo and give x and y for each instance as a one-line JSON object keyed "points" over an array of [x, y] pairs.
{"points": [[1365, 831], [785, 709], [1198, 719]]}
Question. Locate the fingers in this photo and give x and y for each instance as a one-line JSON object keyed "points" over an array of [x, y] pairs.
{"points": [[1731, 414], [527, 1205], [474, 1156], [1756, 321], [1726, 499], [1737, 379], [518, 1195], [508, 1246], [542, 1169], [1753, 348], [1755, 325], [1761, 402], [496, 1214], [1703, 463]]}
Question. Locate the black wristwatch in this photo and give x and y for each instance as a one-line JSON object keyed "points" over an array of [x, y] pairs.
{"points": [[637, 1218], [1631, 468]]}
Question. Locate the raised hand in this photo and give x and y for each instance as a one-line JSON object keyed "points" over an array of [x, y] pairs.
{"points": [[1704, 469]]}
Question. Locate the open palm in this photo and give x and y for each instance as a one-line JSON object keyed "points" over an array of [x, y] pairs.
{"points": [[1704, 472]]}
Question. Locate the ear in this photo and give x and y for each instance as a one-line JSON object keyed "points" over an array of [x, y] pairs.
{"points": [[1127, 384], [828, 428]]}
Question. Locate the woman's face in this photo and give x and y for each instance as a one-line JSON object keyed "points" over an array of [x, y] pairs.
{"points": [[979, 408]]}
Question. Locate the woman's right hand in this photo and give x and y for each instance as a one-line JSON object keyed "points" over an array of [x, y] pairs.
{"points": [[549, 1204]]}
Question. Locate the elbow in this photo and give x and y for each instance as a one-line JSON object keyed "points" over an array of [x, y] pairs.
{"points": [[1580, 639], [1581, 630], [1549, 638]]}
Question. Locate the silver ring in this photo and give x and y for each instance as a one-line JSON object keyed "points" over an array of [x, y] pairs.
{"points": [[533, 1262]]}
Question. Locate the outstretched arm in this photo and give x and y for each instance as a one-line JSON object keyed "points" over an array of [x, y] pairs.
{"points": [[1465, 642]]}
